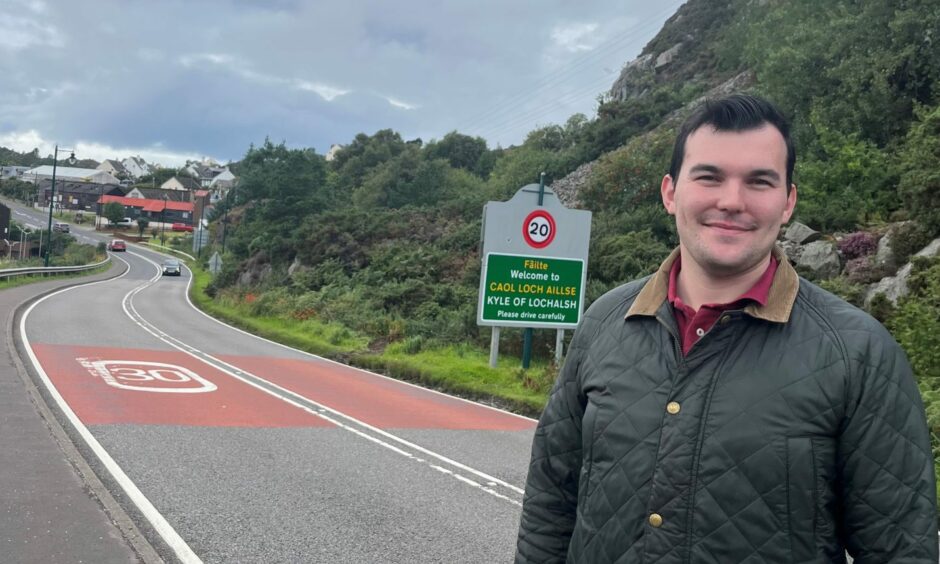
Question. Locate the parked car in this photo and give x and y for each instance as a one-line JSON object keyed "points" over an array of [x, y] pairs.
{"points": [[171, 267], [126, 222], [181, 227], [116, 245], [61, 227]]}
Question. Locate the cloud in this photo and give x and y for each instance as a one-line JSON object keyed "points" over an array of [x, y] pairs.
{"points": [[18, 33], [243, 69], [213, 58], [328, 93], [223, 74], [401, 105], [26, 141], [575, 37]]}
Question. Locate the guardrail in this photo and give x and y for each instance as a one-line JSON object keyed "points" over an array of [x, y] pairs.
{"points": [[10, 272]]}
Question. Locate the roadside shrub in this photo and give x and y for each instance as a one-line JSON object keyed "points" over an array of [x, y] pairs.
{"points": [[858, 244], [852, 292], [881, 308], [916, 326], [413, 345], [919, 185]]}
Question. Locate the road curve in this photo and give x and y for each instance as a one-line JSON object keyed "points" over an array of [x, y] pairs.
{"points": [[229, 448]]}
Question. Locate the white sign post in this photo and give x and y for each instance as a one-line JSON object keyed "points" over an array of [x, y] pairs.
{"points": [[535, 253]]}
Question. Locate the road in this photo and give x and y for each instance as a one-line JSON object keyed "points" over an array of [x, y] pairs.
{"points": [[224, 447]]}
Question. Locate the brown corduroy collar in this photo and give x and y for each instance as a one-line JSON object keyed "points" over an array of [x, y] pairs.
{"points": [[780, 299]]}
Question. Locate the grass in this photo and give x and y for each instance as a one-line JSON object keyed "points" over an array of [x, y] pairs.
{"points": [[460, 369]]}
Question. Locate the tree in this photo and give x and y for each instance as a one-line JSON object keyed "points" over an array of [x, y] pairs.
{"points": [[461, 151], [114, 212], [920, 166], [161, 175], [141, 226]]}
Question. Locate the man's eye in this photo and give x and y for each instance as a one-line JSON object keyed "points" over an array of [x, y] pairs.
{"points": [[707, 178]]}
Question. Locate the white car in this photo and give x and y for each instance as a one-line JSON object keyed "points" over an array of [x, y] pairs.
{"points": [[126, 222]]}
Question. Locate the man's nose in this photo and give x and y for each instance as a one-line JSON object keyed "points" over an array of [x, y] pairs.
{"points": [[731, 195]]}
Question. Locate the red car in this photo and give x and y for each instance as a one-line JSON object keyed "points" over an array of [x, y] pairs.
{"points": [[181, 227], [117, 245]]}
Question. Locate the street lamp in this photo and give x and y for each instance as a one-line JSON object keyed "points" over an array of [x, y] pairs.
{"points": [[55, 158], [163, 222]]}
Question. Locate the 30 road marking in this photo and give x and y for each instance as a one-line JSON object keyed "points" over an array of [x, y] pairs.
{"points": [[158, 377]]}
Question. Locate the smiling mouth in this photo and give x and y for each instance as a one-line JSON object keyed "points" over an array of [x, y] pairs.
{"points": [[729, 227]]}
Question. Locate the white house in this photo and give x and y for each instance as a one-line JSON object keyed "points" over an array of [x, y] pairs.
{"points": [[70, 173], [223, 179], [137, 167], [331, 154], [112, 167], [180, 183]]}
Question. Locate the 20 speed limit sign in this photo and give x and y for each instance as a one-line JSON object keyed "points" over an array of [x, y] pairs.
{"points": [[538, 229]]}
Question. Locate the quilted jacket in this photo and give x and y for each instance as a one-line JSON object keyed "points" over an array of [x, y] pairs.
{"points": [[790, 433]]}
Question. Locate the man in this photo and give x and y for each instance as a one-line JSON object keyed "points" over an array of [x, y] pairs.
{"points": [[724, 410]]}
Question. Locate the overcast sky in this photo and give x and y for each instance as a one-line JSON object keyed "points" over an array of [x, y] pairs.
{"points": [[170, 80]]}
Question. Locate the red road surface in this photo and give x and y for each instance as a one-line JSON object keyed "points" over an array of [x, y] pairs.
{"points": [[380, 402], [120, 391], [109, 385]]}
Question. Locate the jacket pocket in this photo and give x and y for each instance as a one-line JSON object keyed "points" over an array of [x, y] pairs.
{"points": [[801, 498], [588, 424], [811, 498]]}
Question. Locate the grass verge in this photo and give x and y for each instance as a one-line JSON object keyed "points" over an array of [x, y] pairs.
{"points": [[31, 279], [460, 370]]}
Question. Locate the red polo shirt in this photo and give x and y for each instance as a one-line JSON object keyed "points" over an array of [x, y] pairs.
{"points": [[694, 324]]}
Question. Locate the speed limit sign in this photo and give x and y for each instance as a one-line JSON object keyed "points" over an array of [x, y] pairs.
{"points": [[538, 229]]}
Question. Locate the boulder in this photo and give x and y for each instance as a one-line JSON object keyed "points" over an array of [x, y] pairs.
{"points": [[793, 250], [296, 266], [821, 260], [884, 256], [895, 287], [568, 189], [802, 234], [668, 56]]}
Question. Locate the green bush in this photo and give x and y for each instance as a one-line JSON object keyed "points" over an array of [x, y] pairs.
{"points": [[916, 326], [920, 170]]}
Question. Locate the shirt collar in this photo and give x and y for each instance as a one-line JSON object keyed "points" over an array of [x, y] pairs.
{"points": [[757, 293], [785, 283]]}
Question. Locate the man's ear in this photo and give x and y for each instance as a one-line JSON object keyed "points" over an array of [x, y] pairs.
{"points": [[791, 204], [668, 192]]}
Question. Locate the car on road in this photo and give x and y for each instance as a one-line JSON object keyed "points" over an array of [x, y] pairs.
{"points": [[61, 227], [181, 227], [116, 245], [126, 222], [172, 267]]}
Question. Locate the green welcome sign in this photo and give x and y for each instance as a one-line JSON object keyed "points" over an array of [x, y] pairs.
{"points": [[531, 291]]}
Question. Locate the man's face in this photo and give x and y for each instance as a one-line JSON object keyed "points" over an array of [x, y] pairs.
{"points": [[730, 198]]}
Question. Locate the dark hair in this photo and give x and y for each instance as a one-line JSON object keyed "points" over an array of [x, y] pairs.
{"points": [[737, 112]]}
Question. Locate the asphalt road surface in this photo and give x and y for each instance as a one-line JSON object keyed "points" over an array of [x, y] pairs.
{"points": [[224, 447]]}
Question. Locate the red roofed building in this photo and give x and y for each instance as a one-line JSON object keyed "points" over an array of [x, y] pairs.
{"points": [[165, 211]]}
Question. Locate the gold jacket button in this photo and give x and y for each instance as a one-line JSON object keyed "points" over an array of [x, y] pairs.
{"points": [[724, 319], [656, 520], [673, 407]]}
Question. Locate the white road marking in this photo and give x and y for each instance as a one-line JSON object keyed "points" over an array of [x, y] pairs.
{"points": [[159, 523]]}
